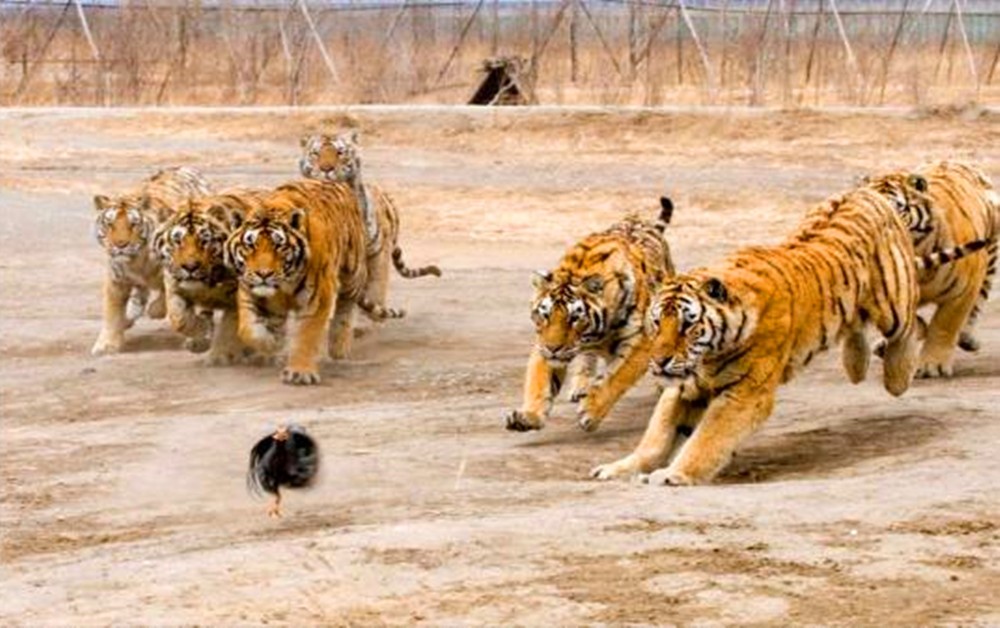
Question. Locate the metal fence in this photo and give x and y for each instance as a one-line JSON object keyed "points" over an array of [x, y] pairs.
{"points": [[785, 52]]}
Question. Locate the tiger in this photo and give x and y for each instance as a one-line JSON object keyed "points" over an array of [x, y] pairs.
{"points": [[943, 203], [124, 227], [726, 336], [590, 309], [337, 158], [301, 252], [197, 281]]}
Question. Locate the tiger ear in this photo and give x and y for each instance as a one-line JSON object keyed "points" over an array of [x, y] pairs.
{"points": [[716, 290], [540, 279], [304, 141], [101, 202], [219, 212], [917, 182], [593, 284], [862, 180], [666, 209], [353, 136], [297, 219], [235, 219]]}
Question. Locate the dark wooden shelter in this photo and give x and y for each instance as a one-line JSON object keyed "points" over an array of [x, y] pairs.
{"points": [[506, 82]]}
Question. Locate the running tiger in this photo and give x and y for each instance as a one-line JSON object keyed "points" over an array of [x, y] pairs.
{"points": [[301, 252], [337, 159], [944, 203], [124, 227], [728, 335], [591, 309], [197, 282]]}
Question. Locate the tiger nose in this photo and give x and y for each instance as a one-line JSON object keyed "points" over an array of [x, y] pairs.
{"points": [[264, 274], [190, 266]]}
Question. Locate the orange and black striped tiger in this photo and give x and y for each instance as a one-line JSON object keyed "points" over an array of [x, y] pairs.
{"points": [[944, 204], [588, 310], [196, 279], [726, 336], [300, 253], [124, 227], [337, 159]]}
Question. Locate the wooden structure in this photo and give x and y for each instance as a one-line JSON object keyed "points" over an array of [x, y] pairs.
{"points": [[506, 82]]}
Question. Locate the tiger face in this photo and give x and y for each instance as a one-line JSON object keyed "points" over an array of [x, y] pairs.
{"points": [[569, 315], [907, 193], [269, 252], [123, 225], [192, 244], [692, 318], [333, 158]]}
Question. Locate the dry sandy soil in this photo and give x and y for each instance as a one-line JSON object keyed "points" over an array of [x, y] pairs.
{"points": [[123, 477]]}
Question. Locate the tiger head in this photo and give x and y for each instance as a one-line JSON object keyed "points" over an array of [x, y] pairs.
{"points": [[270, 251], [333, 158], [125, 223], [191, 242], [907, 193], [694, 317], [572, 311]]}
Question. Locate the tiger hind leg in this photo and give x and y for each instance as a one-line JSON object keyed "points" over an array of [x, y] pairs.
{"points": [[967, 340], [937, 355]]}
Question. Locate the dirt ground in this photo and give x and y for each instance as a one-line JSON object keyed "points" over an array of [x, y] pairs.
{"points": [[123, 494]]}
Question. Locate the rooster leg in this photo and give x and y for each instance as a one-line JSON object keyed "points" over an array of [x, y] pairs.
{"points": [[274, 510]]}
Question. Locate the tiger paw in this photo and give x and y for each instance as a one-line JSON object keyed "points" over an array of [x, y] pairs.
{"points": [[668, 477], [589, 415], [968, 342], [106, 345], [197, 344], [517, 421], [579, 394], [933, 370], [157, 308], [300, 377], [223, 358], [626, 467]]}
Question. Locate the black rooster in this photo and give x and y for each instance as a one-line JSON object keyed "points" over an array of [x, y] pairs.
{"points": [[288, 457]]}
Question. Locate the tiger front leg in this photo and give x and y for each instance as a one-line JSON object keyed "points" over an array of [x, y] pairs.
{"points": [[226, 346], [728, 420], [342, 330], [195, 326], [943, 332], [307, 341], [136, 306], [626, 368], [112, 336], [584, 370], [671, 411], [542, 383], [257, 328]]}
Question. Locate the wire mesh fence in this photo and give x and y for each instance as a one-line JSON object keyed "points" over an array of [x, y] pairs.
{"points": [[639, 52]]}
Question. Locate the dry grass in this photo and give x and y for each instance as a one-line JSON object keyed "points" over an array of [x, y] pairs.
{"points": [[595, 53]]}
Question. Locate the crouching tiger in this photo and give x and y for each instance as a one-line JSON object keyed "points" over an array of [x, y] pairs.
{"points": [[196, 280], [944, 203], [591, 309], [728, 335], [300, 252], [124, 227]]}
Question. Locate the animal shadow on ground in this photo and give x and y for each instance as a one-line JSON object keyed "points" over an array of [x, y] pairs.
{"points": [[825, 450]]}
